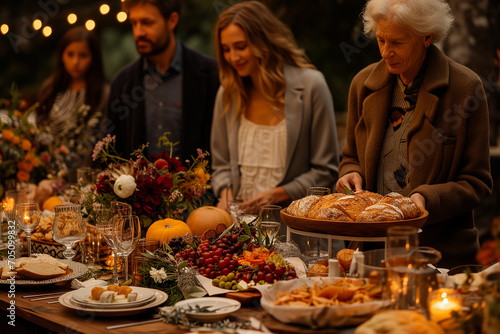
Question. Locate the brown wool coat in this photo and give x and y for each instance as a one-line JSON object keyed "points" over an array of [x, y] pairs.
{"points": [[448, 148]]}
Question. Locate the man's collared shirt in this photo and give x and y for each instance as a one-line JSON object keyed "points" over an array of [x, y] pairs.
{"points": [[164, 103]]}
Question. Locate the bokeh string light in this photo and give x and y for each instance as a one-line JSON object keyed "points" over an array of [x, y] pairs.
{"points": [[46, 19]]}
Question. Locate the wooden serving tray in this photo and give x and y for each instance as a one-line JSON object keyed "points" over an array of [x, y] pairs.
{"points": [[354, 229]]}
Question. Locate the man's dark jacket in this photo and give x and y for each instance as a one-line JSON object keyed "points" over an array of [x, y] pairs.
{"points": [[126, 104]]}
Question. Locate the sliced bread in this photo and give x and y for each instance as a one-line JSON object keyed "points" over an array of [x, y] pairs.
{"points": [[41, 270]]}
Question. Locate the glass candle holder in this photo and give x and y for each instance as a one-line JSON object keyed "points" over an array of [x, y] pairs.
{"points": [[442, 303]]}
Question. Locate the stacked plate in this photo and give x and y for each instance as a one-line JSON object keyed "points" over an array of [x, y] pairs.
{"points": [[82, 298], [81, 302]]}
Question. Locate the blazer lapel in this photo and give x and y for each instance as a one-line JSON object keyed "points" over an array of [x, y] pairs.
{"points": [[375, 113], [436, 76], [293, 110]]}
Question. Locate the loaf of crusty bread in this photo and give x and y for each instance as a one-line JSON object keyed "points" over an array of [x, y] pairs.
{"points": [[381, 212], [329, 214], [351, 205], [40, 270], [363, 205], [301, 207], [409, 208], [369, 197], [399, 321]]}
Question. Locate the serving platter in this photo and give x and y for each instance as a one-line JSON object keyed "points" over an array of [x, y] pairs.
{"points": [[354, 229], [76, 270]]}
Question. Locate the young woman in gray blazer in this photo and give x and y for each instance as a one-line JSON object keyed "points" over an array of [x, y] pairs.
{"points": [[273, 130]]}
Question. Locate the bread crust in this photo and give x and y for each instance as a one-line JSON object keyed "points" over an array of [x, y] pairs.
{"points": [[409, 208], [301, 207], [351, 205], [380, 212]]}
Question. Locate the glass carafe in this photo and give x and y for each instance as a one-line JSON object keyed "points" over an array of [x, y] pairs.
{"points": [[410, 282]]}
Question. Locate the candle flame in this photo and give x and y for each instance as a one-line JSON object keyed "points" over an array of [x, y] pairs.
{"points": [[443, 295]]}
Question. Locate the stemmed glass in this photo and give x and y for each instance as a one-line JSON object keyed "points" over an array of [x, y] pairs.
{"points": [[69, 227], [12, 197], [127, 233], [103, 217], [270, 221], [28, 217]]}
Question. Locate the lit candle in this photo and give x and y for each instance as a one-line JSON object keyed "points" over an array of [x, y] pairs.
{"points": [[442, 303]]}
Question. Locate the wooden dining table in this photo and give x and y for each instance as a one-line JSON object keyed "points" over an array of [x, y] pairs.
{"points": [[43, 318]]}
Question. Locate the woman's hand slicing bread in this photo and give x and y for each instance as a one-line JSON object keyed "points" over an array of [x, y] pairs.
{"points": [[351, 181]]}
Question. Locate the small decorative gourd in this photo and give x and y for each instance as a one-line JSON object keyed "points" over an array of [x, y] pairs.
{"points": [[166, 229]]}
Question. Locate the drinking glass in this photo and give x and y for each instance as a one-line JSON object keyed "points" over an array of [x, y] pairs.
{"points": [[69, 227], [318, 191], [103, 217], [126, 234], [12, 198], [401, 242], [28, 217], [91, 243], [270, 222]]}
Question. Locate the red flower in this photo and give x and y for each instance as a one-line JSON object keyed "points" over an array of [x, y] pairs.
{"points": [[103, 186], [161, 163]]}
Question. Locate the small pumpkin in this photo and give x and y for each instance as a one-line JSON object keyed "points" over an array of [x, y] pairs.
{"points": [[166, 229], [208, 217]]}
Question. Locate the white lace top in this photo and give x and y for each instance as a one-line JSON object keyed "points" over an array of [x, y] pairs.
{"points": [[261, 157]]}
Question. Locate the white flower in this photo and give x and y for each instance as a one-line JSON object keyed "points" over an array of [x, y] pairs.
{"points": [[124, 186], [158, 275]]}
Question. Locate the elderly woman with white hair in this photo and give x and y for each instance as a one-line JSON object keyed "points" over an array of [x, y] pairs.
{"points": [[418, 125]]}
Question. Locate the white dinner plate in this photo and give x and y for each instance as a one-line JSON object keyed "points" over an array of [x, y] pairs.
{"points": [[218, 308], [117, 305], [77, 270], [160, 298], [83, 296]]}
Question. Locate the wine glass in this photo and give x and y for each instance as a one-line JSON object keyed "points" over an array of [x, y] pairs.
{"points": [[12, 198], [103, 217], [126, 233], [68, 227], [270, 221], [28, 217]]}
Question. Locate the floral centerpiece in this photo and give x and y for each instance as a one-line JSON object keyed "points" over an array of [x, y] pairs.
{"points": [[19, 143], [157, 189]]}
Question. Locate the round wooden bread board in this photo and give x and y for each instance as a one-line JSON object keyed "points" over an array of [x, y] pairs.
{"points": [[354, 229]]}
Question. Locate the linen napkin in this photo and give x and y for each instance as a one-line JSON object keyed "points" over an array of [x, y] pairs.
{"points": [[76, 284]]}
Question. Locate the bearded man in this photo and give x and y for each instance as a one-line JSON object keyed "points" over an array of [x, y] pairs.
{"points": [[170, 88]]}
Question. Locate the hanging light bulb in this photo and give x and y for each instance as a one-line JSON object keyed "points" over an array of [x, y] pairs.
{"points": [[47, 31], [37, 24], [121, 16], [72, 18], [90, 24]]}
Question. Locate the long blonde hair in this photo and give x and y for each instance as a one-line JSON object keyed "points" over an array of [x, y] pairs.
{"points": [[270, 41]]}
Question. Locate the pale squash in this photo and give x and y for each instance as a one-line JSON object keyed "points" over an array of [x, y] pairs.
{"points": [[166, 229], [207, 217]]}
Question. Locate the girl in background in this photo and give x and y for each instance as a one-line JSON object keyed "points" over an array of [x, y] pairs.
{"points": [[73, 98]]}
